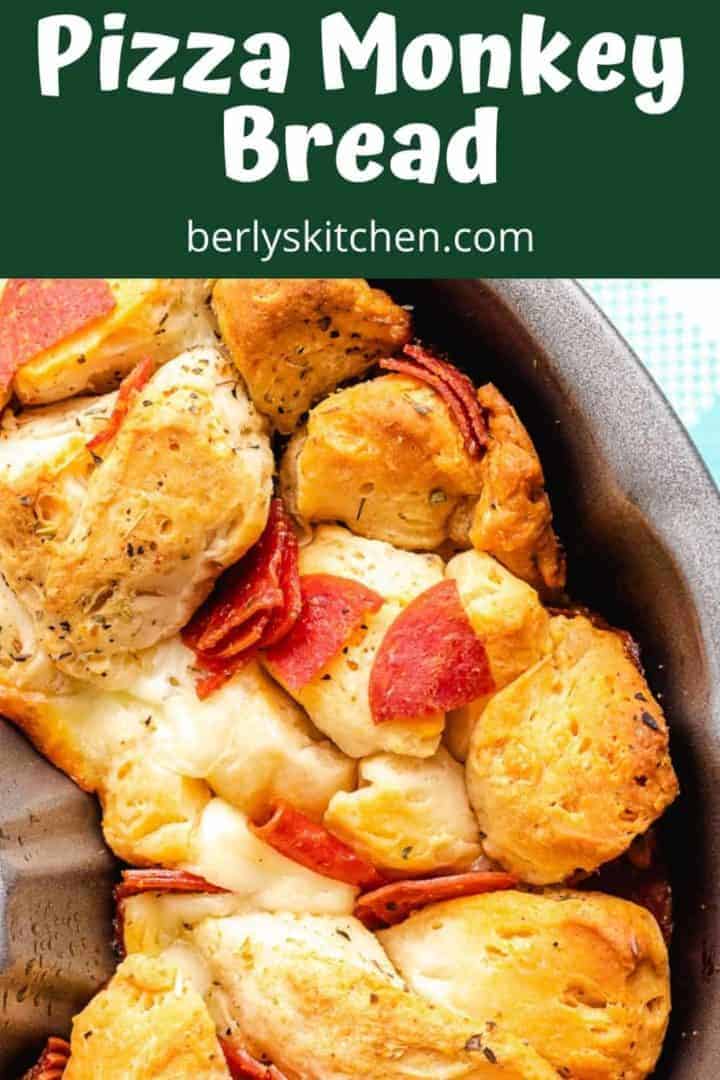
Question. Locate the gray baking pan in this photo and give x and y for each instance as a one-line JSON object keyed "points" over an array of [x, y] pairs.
{"points": [[640, 518]]}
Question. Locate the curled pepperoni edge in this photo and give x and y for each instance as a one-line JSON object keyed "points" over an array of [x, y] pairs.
{"points": [[52, 1062], [131, 385], [243, 1066], [312, 845], [394, 902], [455, 388], [316, 591], [269, 606]]}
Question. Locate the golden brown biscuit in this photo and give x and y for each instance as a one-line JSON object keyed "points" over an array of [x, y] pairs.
{"points": [[513, 518], [337, 698], [582, 976], [507, 615], [570, 762], [112, 554], [150, 813], [408, 814], [384, 457], [294, 340], [155, 317], [148, 1024], [320, 999]]}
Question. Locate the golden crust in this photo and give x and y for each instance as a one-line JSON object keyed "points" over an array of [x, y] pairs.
{"points": [[570, 762], [582, 976], [148, 1024], [294, 340], [151, 813], [45, 723], [319, 998], [507, 615], [512, 519], [384, 457], [113, 555], [156, 317], [408, 814]]}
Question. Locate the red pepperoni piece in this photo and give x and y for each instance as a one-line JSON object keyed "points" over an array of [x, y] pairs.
{"points": [[254, 604], [392, 903], [430, 660], [52, 1062], [243, 1066], [460, 385], [304, 841], [135, 882], [36, 313], [283, 618], [332, 609], [455, 388], [129, 388]]}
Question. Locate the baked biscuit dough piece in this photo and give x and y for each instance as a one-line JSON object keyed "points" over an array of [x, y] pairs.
{"points": [[408, 814], [113, 553], [156, 317], [512, 519], [294, 340], [337, 699], [227, 853], [251, 742], [159, 758], [148, 1024], [507, 615], [151, 814], [570, 762], [318, 996], [384, 457], [582, 976]]}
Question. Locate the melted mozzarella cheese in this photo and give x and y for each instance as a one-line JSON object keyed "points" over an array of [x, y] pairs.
{"points": [[230, 855], [155, 922], [249, 740]]}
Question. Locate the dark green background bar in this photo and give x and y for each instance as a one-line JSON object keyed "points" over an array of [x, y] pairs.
{"points": [[104, 183]]}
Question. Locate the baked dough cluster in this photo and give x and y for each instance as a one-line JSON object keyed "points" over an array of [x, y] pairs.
{"points": [[358, 855]]}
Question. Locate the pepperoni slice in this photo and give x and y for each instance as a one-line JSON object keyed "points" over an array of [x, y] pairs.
{"points": [[129, 388], [392, 903], [332, 609], [299, 838], [254, 604], [243, 1066], [455, 388], [135, 882], [52, 1062], [36, 313], [430, 660]]}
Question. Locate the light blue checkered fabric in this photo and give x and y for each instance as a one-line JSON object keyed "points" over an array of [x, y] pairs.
{"points": [[674, 327]]}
